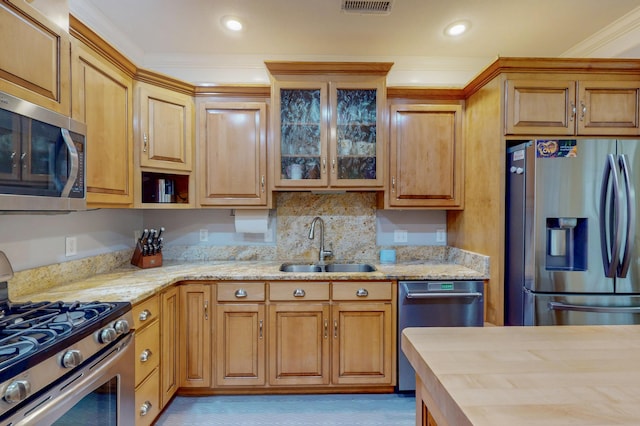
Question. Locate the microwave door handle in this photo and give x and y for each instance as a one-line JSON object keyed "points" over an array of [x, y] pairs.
{"points": [[559, 306], [610, 264], [75, 163], [630, 192]]}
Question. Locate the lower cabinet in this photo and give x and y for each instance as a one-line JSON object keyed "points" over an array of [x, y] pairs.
{"points": [[169, 346], [147, 364], [195, 335], [287, 334], [240, 334]]}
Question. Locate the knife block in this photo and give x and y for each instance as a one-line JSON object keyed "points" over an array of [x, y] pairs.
{"points": [[144, 262]]}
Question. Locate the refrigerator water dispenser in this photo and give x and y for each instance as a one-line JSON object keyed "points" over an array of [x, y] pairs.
{"points": [[566, 244]]}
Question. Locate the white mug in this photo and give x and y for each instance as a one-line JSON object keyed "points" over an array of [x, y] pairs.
{"points": [[295, 171]]}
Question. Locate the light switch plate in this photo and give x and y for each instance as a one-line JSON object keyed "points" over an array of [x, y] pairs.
{"points": [[70, 246], [441, 236], [204, 235]]}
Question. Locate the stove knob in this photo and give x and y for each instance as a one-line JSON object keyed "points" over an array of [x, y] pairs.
{"points": [[108, 335], [17, 391], [121, 326], [72, 358]]}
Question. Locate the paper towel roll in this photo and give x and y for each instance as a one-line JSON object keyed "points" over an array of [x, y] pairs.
{"points": [[252, 221]]}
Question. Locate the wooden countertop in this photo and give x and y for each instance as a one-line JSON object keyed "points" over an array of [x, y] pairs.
{"points": [[562, 375], [132, 284]]}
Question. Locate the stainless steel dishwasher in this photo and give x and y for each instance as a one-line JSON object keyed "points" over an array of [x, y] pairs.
{"points": [[435, 304]]}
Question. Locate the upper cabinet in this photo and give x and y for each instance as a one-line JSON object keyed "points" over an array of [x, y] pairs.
{"points": [[328, 125], [164, 143], [572, 107], [165, 134], [103, 100], [425, 157], [34, 63], [232, 154]]}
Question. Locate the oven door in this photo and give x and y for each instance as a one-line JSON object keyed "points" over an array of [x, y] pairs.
{"points": [[99, 393]]}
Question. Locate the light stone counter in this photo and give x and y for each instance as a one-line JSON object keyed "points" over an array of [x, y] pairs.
{"points": [[129, 283]]}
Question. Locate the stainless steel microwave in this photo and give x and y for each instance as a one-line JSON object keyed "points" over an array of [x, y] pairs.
{"points": [[42, 158]]}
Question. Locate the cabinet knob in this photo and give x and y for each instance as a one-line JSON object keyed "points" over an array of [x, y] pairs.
{"points": [[240, 293], [298, 292], [145, 408], [144, 356], [573, 111], [583, 110], [144, 315]]}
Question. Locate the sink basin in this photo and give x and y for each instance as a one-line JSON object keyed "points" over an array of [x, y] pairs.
{"points": [[293, 267], [333, 267], [350, 267]]}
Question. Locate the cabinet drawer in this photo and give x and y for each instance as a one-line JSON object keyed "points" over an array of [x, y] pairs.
{"points": [[146, 312], [364, 290], [299, 290], [240, 292], [147, 350], [148, 400]]}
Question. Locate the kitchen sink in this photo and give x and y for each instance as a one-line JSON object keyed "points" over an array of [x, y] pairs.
{"points": [[332, 267], [349, 267]]}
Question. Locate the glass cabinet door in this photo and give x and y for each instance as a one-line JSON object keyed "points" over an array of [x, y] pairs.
{"points": [[301, 136], [356, 147]]}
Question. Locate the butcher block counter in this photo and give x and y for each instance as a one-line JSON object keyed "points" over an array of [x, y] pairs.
{"points": [[491, 376]]}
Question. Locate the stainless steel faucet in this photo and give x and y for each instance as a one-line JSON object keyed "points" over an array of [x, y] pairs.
{"points": [[322, 253]]}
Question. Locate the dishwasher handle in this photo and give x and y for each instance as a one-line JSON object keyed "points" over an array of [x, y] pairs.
{"points": [[440, 295]]}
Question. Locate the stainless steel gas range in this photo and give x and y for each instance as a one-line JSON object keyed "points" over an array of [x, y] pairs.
{"points": [[65, 363]]}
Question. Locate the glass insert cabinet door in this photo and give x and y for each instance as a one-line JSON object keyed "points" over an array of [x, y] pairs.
{"points": [[356, 145], [328, 140], [303, 135]]}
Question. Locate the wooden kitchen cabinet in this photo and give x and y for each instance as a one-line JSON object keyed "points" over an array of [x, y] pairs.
{"points": [[35, 60], [426, 168], [363, 345], [195, 337], [146, 317], [164, 138], [299, 341], [240, 334], [329, 129], [103, 100], [572, 107], [232, 144], [164, 147], [169, 345]]}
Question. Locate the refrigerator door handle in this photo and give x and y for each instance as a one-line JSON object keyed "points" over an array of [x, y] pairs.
{"points": [[630, 192], [558, 306], [610, 262]]}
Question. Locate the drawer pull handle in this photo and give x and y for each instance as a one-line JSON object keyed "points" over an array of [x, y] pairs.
{"points": [[335, 329], [326, 328], [144, 356], [145, 408], [144, 315], [362, 292], [298, 292], [241, 292], [261, 325]]}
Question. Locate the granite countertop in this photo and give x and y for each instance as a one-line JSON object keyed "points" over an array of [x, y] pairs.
{"points": [[129, 283], [562, 375]]}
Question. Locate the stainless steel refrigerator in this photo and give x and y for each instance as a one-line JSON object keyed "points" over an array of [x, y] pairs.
{"points": [[572, 250]]}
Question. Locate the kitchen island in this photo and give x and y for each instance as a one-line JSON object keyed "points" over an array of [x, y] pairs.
{"points": [[562, 375]]}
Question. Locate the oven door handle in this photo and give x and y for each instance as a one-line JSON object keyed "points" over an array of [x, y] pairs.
{"points": [[439, 295], [63, 396]]}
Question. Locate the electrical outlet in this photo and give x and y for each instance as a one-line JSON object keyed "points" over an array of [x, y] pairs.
{"points": [[70, 246], [400, 236], [204, 235], [441, 236]]}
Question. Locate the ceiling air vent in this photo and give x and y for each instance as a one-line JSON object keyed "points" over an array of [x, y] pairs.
{"points": [[367, 6]]}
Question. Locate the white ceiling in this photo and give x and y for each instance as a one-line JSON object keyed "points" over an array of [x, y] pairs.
{"points": [[184, 38]]}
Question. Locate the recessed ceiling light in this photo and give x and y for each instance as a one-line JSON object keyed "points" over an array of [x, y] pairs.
{"points": [[232, 23], [457, 28]]}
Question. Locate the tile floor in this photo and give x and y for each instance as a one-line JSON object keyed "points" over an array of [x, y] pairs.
{"points": [[291, 410]]}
